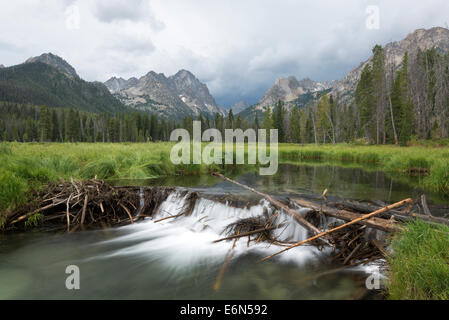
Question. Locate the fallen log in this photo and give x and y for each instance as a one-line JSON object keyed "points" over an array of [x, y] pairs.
{"points": [[367, 208], [397, 215], [279, 205], [169, 217], [364, 217], [425, 206], [83, 214], [376, 223]]}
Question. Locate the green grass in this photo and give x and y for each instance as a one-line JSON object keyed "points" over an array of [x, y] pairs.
{"points": [[419, 267], [24, 167], [394, 159], [27, 166]]}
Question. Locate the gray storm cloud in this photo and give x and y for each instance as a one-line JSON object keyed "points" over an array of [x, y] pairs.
{"points": [[238, 48]]}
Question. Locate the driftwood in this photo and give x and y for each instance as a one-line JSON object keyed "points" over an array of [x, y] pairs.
{"points": [[169, 217], [279, 205], [397, 215], [364, 217], [424, 205], [92, 202], [377, 223]]}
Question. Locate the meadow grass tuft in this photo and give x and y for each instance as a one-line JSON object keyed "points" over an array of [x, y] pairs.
{"points": [[419, 267]]}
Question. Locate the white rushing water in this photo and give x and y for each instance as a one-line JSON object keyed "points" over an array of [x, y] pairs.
{"points": [[189, 240]]}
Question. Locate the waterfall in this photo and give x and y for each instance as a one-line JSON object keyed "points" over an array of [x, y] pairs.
{"points": [[188, 240]]}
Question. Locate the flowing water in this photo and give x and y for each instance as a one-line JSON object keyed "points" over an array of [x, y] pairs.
{"points": [[177, 259]]}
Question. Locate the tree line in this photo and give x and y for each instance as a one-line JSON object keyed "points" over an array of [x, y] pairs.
{"points": [[391, 105], [28, 123]]}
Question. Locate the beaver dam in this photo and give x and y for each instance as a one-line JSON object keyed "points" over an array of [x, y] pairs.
{"points": [[181, 226]]}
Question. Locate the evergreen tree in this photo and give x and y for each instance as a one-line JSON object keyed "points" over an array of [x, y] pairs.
{"points": [[323, 125], [278, 121], [295, 126], [230, 120], [45, 125], [365, 101], [267, 121]]}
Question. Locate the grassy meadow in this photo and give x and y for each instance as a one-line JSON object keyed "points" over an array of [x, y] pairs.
{"points": [[27, 166]]}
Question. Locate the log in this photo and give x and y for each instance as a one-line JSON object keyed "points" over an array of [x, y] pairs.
{"points": [[376, 223], [424, 205], [398, 215], [38, 210], [83, 214], [169, 217], [431, 219], [367, 208], [364, 217], [127, 212], [279, 205], [68, 212]]}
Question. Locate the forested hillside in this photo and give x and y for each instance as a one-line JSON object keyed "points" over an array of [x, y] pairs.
{"points": [[29, 123], [391, 105], [43, 84]]}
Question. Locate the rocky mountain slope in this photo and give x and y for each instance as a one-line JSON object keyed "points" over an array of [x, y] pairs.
{"points": [[50, 80], [294, 92], [55, 61], [176, 96], [291, 91], [423, 39], [239, 106]]}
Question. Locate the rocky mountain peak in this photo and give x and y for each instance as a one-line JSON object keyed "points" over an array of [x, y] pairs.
{"points": [[178, 95], [289, 88], [55, 61], [420, 39], [116, 84]]}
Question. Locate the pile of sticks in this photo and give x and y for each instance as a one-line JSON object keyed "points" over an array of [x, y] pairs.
{"points": [[88, 203], [353, 237], [257, 229]]}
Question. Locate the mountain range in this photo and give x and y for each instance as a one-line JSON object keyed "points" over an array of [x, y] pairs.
{"points": [[301, 93], [420, 39], [50, 80], [179, 95], [291, 92]]}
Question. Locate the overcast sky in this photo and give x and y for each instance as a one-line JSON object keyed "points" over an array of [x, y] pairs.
{"points": [[238, 48]]}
